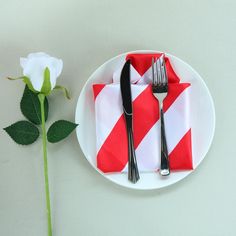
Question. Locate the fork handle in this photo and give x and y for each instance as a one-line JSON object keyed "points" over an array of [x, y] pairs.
{"points": [[165, 169]]}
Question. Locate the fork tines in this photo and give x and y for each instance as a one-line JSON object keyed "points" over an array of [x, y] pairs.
{"points": [[159, 75]]}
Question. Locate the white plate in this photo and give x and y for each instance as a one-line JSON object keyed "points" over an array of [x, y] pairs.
{"points": [[202, 117]]}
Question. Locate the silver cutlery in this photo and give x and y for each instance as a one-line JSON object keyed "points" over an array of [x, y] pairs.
{"points": [[125, 87], [160, 90]]}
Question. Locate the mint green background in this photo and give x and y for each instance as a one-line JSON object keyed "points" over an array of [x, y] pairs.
{"points": [[85, 34]]}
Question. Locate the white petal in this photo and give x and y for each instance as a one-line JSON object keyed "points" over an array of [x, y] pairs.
{"points": [[36, 63], [53, 78], [59, 67], [55, 67], [37, 81], [35, 71]]}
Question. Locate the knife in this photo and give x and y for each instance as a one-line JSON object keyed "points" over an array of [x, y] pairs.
{"points": [[125, 87]]}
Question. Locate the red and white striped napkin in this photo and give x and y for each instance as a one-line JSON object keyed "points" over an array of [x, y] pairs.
{"points": [[111, 137]]}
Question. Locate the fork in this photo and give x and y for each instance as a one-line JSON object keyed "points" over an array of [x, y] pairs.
{"points": [[160, 90]]}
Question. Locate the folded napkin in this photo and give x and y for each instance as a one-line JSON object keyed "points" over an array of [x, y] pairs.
{"points": [[111, 136]]}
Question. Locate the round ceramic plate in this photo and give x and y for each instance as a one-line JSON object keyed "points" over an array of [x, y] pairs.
{"points": [[202, 121]]}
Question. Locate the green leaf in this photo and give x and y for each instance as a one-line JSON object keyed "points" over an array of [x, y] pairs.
{"points": [[60, 130], [30, 106], [23, 132], [46, 88], [64, 90]]}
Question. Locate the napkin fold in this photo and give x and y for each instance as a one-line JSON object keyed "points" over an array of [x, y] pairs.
{"points": [[111, 136]]}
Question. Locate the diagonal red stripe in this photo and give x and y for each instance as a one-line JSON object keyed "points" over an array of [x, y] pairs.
{"points": [[174, 90], [97, 88], [179, 159], [142, 62]]}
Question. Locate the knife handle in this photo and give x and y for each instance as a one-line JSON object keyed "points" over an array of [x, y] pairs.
{"points": [[133, 173], [165, 168]]}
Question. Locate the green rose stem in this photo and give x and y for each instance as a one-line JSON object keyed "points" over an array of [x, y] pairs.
{"points": [[44, 137]]}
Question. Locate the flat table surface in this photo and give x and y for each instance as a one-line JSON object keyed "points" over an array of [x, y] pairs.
{"points": [[85, 34]]}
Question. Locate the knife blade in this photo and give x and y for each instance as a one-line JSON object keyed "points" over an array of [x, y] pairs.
{"points": [[125, 87]]}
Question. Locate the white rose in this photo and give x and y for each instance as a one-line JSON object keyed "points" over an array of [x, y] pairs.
{"points": [[34, 67]]}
